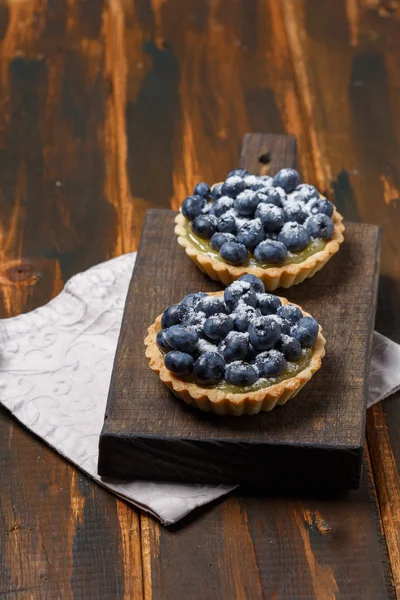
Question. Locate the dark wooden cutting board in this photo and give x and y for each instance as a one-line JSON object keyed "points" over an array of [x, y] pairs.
{"points": [[314, 440]]}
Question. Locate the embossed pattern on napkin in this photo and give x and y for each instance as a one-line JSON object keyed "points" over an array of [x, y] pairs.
{"points": [[384, 374], [55, 369]]}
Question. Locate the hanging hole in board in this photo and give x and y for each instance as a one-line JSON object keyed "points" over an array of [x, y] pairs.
{"points": [[265, 158]]}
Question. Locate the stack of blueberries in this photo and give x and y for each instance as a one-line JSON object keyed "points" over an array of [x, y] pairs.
{"points": [[246, 335], [266, 216]]}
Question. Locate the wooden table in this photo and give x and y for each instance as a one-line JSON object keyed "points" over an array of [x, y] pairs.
{"points": [[109, 108]]}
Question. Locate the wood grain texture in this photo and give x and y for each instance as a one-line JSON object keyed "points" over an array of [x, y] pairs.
{"points": [[224, 69], [384, 454], [61, 536], [353, 48], [268, 151], [319, 434], [270, 547]]}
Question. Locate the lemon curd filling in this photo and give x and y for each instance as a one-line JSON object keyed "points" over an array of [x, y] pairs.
{"points": [[315, 246]]}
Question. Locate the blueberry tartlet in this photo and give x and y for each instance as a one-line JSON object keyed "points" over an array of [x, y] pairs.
{"points": [[235, 352], [276, 228]]}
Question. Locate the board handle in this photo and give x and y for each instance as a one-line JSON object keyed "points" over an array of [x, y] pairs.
{"points": [[267, 153]]}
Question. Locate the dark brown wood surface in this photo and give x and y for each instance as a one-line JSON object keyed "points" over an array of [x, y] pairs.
{"points": [[110, 108], [318, 436]]}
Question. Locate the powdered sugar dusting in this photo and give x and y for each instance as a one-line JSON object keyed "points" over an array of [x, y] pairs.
{"points": [[206, 346], [239, 287]]}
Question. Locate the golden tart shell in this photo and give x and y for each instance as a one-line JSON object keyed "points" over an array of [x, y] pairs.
{"points": [[272, 277], [228, 403]]}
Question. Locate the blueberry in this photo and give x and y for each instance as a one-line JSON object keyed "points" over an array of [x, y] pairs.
{"points": [[295, 211], [233, 186], [211, 305], [192, 206], [216, 191], [251, 354], [272, 217], [271, 252], [289, 312], [264, 332], [219, 239], [254, 281], [283, 324], [268, 303], [243, 315], [218, 326], [209, 368], [179, 363], [234, 253], [173, 315], [235, 346], [227, 223], [240, 291], [253, 183], [161, 340], [294, 236], [241, 373], [305, 331], [192, 300], [320, 226], [270, 363], [250, 234], [305, 192], [269, 195], [204, 226], [238, 173], [246, 203], [287, 179], [289, 347], [320, 205], [194, 321], [202, 189], [180, 338], [221, 206]]}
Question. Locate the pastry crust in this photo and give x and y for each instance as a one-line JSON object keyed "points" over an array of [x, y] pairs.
{"points": [[272, 277], [228, 403]]}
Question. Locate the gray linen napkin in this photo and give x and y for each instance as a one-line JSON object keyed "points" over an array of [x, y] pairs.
{"points": [[55, 368]]}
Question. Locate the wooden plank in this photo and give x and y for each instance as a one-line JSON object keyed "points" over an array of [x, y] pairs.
{"points": [[357, 155], [147, 434], [384, 450], [61, 535], [270, 547]]}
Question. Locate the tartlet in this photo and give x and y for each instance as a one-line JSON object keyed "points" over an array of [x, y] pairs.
{"points": [[296, 266], [225, 398]]}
